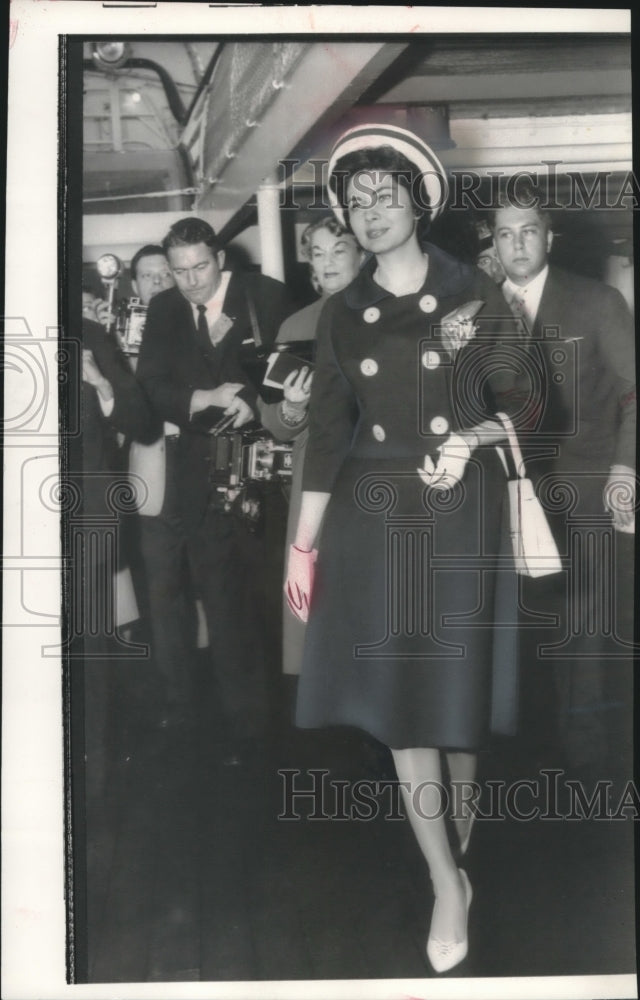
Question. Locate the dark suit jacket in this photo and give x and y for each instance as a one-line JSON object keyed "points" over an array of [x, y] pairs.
{"points": [[132, 415], [581, 357], [173, 363]]}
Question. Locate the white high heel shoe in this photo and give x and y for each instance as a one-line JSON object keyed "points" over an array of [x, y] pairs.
{"points": [[464, 844], [444, 955]]}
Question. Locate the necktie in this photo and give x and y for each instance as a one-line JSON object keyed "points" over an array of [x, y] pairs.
{"points": [[203, 326], [518, 307]]}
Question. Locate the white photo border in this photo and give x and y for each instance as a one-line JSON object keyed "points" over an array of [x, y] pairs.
{"points": [[33, 913]]}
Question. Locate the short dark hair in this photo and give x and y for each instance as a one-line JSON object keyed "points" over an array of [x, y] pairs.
{"points": [[188, 232], [150, 250], [387, 160], [524, 195], [91, 282], [328, 222]]}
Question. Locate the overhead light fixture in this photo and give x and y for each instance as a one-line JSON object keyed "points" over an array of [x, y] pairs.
{"points": [[109, 54], [131, 100]]}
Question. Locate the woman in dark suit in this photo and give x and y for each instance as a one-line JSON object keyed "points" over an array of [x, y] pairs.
{"points": [[334, 259], [401, 477]]}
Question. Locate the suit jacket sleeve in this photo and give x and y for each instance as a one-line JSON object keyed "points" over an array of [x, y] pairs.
{"points": [[232, 370], [595, 409], [132, 414], [333, 412], [271, 419], [617, 349]]}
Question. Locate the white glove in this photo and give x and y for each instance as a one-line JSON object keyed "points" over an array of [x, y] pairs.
{"points": [[449, 469], [620, 497], [299, 584]]}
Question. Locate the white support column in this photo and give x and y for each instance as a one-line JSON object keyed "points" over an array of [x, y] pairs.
{"points": [[270, 230]]}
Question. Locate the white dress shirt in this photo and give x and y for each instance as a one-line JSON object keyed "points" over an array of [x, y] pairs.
{"points": [[529, 295], [213, 311], [215, 303]]}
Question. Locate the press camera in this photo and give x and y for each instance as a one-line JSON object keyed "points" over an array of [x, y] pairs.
{"points": [[249, 456], [130, 322], [240, 463], [130, 315]]}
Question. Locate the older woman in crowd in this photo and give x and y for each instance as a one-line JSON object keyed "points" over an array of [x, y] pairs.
{"points": [[334, 260]]}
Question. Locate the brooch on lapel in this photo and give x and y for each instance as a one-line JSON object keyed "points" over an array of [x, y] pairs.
{"points": [[458, 327], [221, 326]]}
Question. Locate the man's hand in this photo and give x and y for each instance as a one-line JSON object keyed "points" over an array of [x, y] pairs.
{"points": [[90, 371], [620, 497], [223, 396], [93, 376], [243, 411], [103, 315]]}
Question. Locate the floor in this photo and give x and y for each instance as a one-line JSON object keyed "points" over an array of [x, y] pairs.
{"points": [[201, 869]]}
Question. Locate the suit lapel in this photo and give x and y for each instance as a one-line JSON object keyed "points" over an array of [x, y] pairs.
{"points": [[549, 329], [236, 308], [550, 306], [233, 299], [186, 320], [550, 326]]}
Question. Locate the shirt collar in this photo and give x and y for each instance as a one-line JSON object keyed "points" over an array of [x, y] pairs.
{"points": [[530, 292], [445, 275], [216, 302]]}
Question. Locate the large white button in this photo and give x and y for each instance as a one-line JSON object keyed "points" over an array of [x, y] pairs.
{"points": [[428, 303], [371, 315], [369, 366], [431, 360], [439, 425], [378, 432]]}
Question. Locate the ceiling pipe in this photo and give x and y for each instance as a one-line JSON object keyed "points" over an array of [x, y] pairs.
{"points": [[174, 100]]}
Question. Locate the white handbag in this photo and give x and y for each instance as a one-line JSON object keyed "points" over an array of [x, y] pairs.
{"points": [[125, 598], [147, 469], [534, 550]]}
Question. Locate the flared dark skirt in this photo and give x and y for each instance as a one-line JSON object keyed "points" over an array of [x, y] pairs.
{"points": [[401, 635]]}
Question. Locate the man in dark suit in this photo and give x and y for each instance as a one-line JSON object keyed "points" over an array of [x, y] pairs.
{"points": [[576, 410], [191, 366], [165, 582], [112, 406], [156, 539]]}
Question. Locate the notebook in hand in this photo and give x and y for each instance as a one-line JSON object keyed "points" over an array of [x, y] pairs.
{"points": [[280, 364]]}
